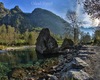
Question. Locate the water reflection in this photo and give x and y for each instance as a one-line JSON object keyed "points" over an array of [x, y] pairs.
{"points": [[17, 57]]}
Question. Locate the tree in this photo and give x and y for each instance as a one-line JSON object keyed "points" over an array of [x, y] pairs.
{"points": [[86, 38], [97, 37], [31, 39], [3, 32], [16, 36], [26, 35], [92, 7], [73, 19], [10, 34], [97, 34]]}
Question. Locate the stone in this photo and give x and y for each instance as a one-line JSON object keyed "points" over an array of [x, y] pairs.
{"points": [[46, 44], [31, 78], [67, 43], [18, 73], [52, 77], [82, 55], [78, 63], [75, 74]]}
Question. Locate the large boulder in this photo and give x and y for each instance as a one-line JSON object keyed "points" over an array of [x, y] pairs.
{"points": [[67, 44], [46, 44]]}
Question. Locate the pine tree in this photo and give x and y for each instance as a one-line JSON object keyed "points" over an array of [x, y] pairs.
{"points": [[31, 38]]}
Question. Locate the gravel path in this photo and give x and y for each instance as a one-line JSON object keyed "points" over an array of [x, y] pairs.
{"points": [[94, 62]]}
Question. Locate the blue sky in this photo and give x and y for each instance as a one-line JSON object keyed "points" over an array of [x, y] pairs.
{"points": [[59, 7]]}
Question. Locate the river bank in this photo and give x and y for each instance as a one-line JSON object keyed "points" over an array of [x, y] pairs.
{"points": [[9, 48]]}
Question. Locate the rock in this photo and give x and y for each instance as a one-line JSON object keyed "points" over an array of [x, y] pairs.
{"points": [[83, 56], [83, 48], [88, 51], [67, 43], [66, 67], [31, 78], [64, 64], [77, 47], [69, 57], [91, 51], [17, 73], [78, 63], [47, 77], [65, 51], [52, 77], [46, 44], [75, 75]]}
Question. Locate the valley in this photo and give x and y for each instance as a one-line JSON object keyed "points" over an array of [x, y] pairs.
{"points": [[56, 41]]}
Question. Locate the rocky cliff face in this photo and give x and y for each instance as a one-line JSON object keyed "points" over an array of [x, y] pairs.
{"points": [[3, 10], [16, 10]]}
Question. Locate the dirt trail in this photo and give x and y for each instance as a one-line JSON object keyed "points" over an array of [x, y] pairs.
{"points": [[21, 47], [94, 62]]}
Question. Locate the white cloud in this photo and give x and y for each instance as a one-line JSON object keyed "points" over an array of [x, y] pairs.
{"points": [[88, 20], [82, 15]]}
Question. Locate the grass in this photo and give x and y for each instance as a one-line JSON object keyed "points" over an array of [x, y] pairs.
{"points": [[59, 42], [2, 47]]}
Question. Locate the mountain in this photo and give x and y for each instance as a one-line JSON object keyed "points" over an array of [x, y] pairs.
{"points": [[38, 18], [15, 10], [3, 11]]}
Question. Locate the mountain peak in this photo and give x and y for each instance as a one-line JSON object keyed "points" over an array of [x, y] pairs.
{"points": [[3, 10], [16, 9], [37, 9], [42, 11], [1, 5]]}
